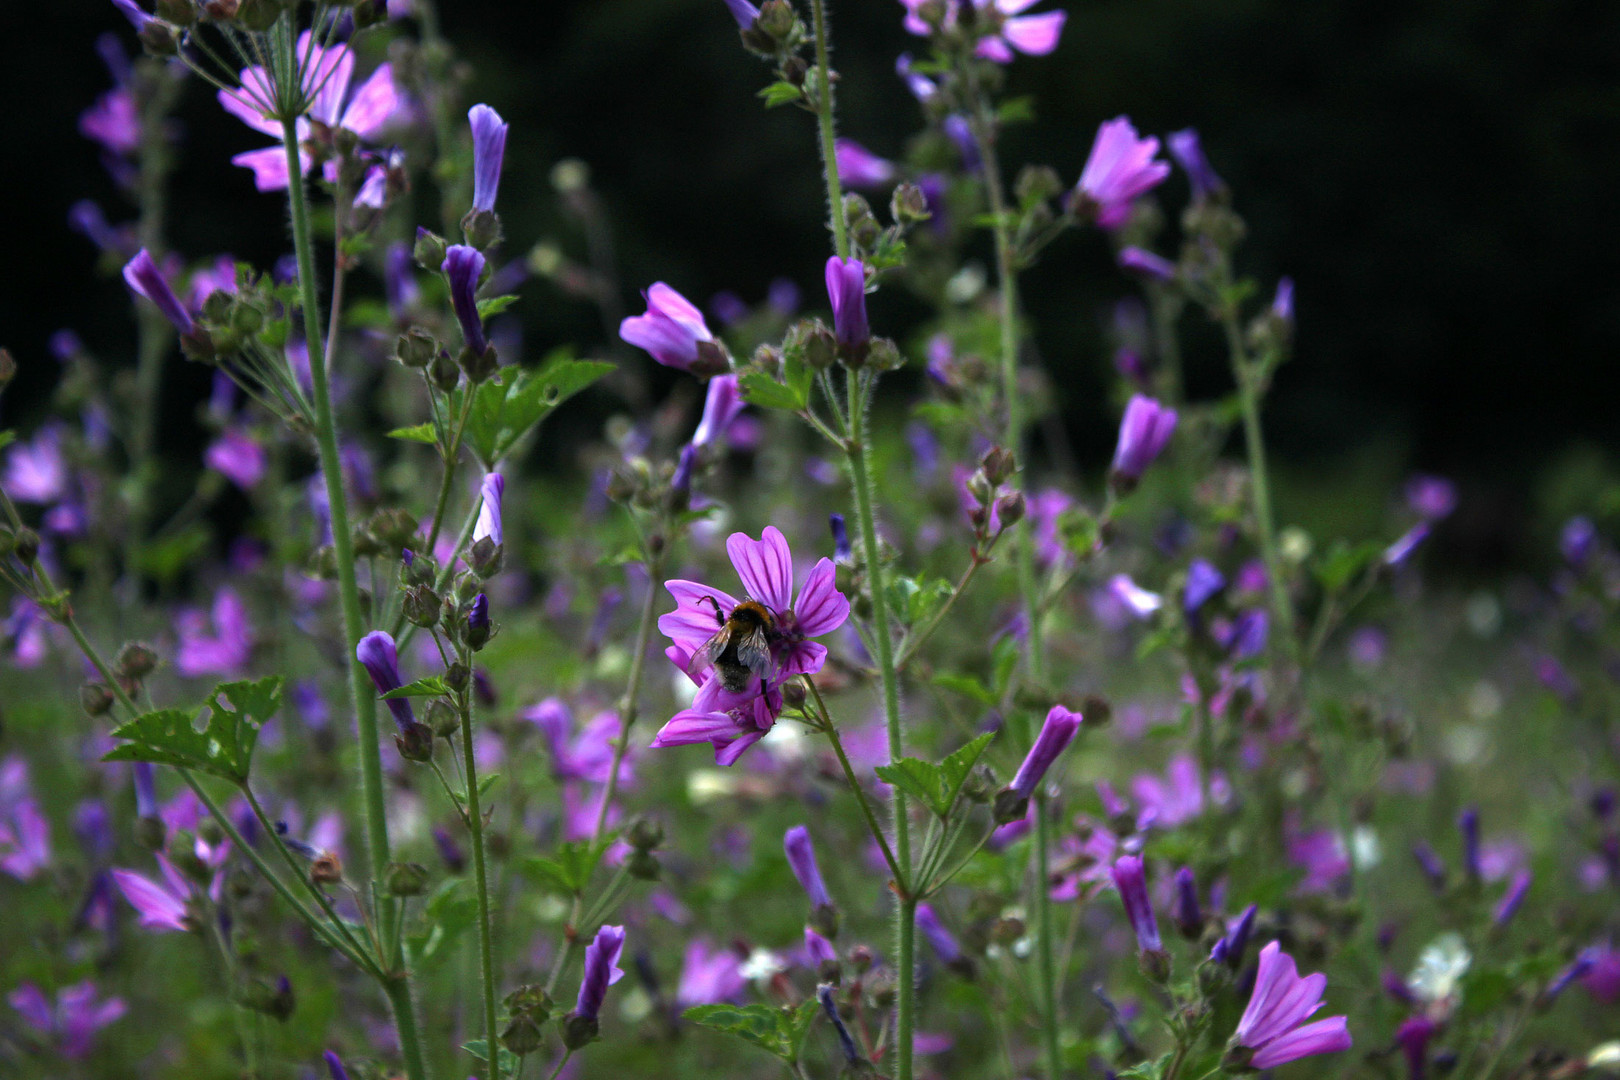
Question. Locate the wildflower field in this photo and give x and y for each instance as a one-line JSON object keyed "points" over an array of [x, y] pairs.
{"points": [[760, 682]]}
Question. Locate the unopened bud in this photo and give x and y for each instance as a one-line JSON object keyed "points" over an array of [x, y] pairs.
{"points": [[908, 204], [643, 866], [531, 1001], [1037, 183], [776, 18], [25, 545], [95, 699], [444, 373], [135, 661], [407, 879], [1010, 508], [394, 527], [522, 1035], [415, 742], [416, 348], [442, 718], [1097, 711], [645, 833], [158, 39], [430, 250], [883, 354], [456, 676]]}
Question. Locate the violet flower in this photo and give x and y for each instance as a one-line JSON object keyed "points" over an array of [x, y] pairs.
{"points": [[824, 994], [720, 407], [601, 970], [1203, 582], [489, 149], [1230, 948], [237, 456], [818, 949], [1055, 735], [846, 288], [801, 857], [1141, 261], [25, 838], [226, 650], [489, 523], [734, 720], [840, 534], [1429, 862], [334, 1066], [709, 975], [71, 1022], [1577, 540], [1189, 919], [1121, 168], [36, 470], [1468, 825], [944, 945], [142, 275], [114, 122], [673, 331], [921, 86], [1132, 885], [326, 76], [860, 168], [1513, 899], [160, 906], [1431, 497], [1413, 1038], [1188, 151], [1144, 431], [1272, 1027], [1032, 35], [744, 12], [377, 654], [1401, 550], [463, 265]]}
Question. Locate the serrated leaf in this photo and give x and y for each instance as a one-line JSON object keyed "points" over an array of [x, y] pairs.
{"points": [[760, 389], [236, 712], [429, 686], [958, 766], [494, 305], [422, 433], [570, 871], [446, 916], [479, 1049], [917, 778], [776, 1030], [507, 406], [1146, 1070], [780, 93]]}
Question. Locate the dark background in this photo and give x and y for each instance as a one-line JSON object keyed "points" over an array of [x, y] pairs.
{"points": [[1438, 176]]}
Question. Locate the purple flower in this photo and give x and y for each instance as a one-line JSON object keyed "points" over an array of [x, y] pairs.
{"points": [[1323, 857], [37, 471], [72, 1022], [326, 76], [1273, 1025], [1203, 582], [1188, 917], [672, 330], [1413, 1038], [1401, 550], [1468, 825], [334, 1065], [601, 970], [1147, 264], [1132, 885], [1121, 168], [1513, 898], [142, 275], [25, 838], [744, 12], [1431, 497], [1189, 154], [1144, 432], [160, 906], [840, 535], [489, 510], [1577, 540], [1136, 600], [921, 86], [818, 949], [860, 168], [960, 131], [846, 287], [1229, 950], [802, 859], [226, 650], [478, 615], [377, 654], [1033, 35], [944, 945], [489, 148], [238, 456], [113, 122], [1282, 307], [824, 994], [709, 975], [1430, 864], [1055, 734], [720, 408], [462, 267], [735, 719]]}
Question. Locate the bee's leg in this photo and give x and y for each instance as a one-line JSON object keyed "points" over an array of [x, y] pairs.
{"points": [[719, 619]]}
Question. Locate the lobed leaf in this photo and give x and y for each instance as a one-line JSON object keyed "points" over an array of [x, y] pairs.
{"points": [[224, 747]]}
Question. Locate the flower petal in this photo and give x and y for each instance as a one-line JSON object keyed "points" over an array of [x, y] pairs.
{"points": [[691, 726], [269, 167], [1323, 1037], [374, 103], [821, 608], [1035, 35], [693, 622], [765, 566], [672, 304]]}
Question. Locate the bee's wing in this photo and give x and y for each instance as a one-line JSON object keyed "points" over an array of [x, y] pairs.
{"points": [[708, 652], [754, 652]]}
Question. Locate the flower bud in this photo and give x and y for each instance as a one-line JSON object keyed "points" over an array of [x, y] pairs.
{"points": [[158, 39], [442, 718], [485, 557], [25, 545], [481, 228], [416, 348], [96, 699], [1010, 508], [884, 355], [522, 1035], [135, 661], [645, 833], [776, 18], [478, 628], [643, 865], [407, 879], [531, 1001], [1037, 183], [444, 373], [415, 741], [430, 249], [908, 204]]}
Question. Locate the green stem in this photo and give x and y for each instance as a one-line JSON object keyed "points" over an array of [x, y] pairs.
{"points": [[1047, 969], [365, 702], [475, 822], [824, 120], [398, 989], [831, 731]]}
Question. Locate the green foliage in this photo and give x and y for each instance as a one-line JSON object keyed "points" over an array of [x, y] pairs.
{"points": [[936, 786], [236, 712], [423, 433], [569, 872], [507, 406], [427, 686], [777, 1031]]}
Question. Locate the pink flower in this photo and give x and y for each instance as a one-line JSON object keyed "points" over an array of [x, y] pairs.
{"points": [[223, 652], [710, 975], [1033, 35], [734, 719], [71, 1022], [1121, 168], [326, 76], [1273, 1025], [238, 456], [25, 839], [160, 906], [672, 330]]}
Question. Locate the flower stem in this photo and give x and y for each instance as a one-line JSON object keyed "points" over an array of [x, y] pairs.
{"points": [[475, 822], [824, 120], [984, 131], [831, 731]]}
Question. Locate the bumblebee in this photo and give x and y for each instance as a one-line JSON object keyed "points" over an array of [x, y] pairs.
{"points": [[740, 648]]}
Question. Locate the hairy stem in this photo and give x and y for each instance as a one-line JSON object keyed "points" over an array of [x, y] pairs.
{"points": [[831, 731], [824, 120], [475, 822]]}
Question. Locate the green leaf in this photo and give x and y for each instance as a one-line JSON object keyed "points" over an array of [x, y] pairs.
{"points": [[1005, 660], [958, 766], [1146, 1070], [7, 438], [494, 305], [422, 433], [936, 786], [781, 93], [236, 712], [1344, 561], [431, 686], [448, 914], [966, 685], [797, 375], [1018, 110], [571, 870], [760, 389], [776, 1030], [487, 782], [479, 1049], [505, 407]]}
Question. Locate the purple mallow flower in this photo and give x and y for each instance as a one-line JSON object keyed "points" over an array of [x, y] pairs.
{"points": [[462, 266], [1055, 735], [744, 12], [160, 906], [944, 945], [1203, 582], [1121, 168], [1189, 918], [113, 122], [1431, 497], [377, 654], [1144, 432], [1272, 1028], [489, 148], [734, 719], [1033, 35], [326, 78], [720, 407], [1147, 264], [25, 838], [489, 510], [802, 859], [1132, 885], [674, 332], [601, 971], [71, 1022], [239, 457], [221, 649], [1188, 151], [142, 275], [710, 975], [1230, 948], [846, 287], [860, 168]]}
